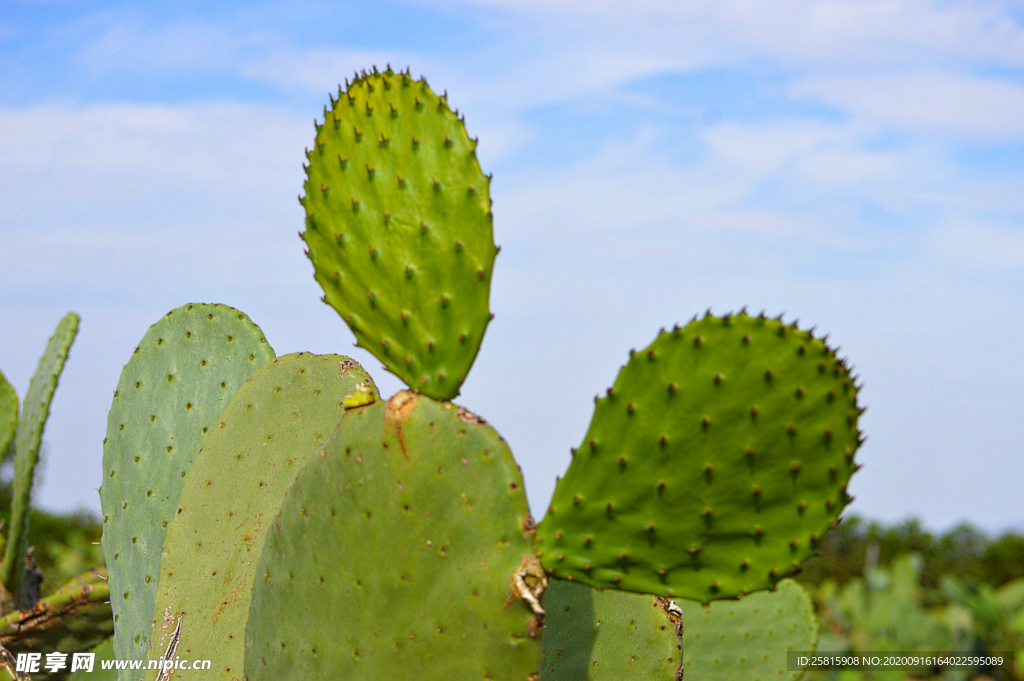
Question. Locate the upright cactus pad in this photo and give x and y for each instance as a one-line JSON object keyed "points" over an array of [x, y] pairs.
{"points": [[396, 553], [712, 468], [398, 227], [276, 421], [8, 414], [748, 639], [608, 635], [27, 439], [177, 382]]}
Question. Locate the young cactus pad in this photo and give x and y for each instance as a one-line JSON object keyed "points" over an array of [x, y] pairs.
{"points": [[398, 227], [27, 439], [712, 468], [184, 371], [275, 422], [8, 414], [748, 639], [609, 635], [395, 556]]}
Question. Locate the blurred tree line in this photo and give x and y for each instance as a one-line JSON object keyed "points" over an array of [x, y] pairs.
{"points": [[857, 544]]}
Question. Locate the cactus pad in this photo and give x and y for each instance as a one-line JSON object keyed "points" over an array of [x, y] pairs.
{"points": [[177, 382], [604, 634], [712, 468], [398, 227], [27, 439], [395, 554], [8, 414], [748, 639], [279, 418]]}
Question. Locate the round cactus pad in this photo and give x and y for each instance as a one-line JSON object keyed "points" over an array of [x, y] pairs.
{"points": [[609, 635], [275, 422], [748, 639], [398, 227], [184, 371], [395, 555], [712, 468]]}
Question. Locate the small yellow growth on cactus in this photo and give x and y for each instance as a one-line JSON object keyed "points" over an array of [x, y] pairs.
{"points": [[360, 398]]}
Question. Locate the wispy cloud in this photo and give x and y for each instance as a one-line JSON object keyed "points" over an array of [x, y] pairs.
{"points": [[963, 107]]}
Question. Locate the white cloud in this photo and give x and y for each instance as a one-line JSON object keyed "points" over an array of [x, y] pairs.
{"points": [[322, 69], [808, 33], [130, 154], [980, 245], [966, 107]]}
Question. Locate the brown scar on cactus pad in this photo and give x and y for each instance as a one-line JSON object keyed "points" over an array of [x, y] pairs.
{"points": [[529, 582]]}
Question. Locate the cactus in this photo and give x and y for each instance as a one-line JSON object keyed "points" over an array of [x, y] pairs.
{"points": [[177, 382], [604, 634], [422, 531], [74, 618], [8, 414], [398, 227], [279, 418], [749, 638], [323, 532], [731, 439], [27, 439]]}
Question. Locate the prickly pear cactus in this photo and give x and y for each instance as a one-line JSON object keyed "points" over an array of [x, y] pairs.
{"points": [[74, 618], [8, 414], [276, 421], [398, 227], [177, 382], [748, 639], [608, 635], [712, 468], [397, 552], [27, 439]]}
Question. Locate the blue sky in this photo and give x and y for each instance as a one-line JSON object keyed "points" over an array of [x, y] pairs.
{"points": [[858, 165]]}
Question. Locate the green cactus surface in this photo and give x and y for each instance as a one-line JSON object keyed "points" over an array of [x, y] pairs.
{"points": [[608, 635], [27, 439], [8, 414], [395, 556], [712, 468], [398, 227], [184, 371], [748, 638], [276, 421]]}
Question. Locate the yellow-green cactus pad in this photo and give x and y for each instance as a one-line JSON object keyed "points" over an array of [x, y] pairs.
{"points": [[398, 227], [275, 422], [712, 468], [748, 639], [609, 635], [397, 555]]}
